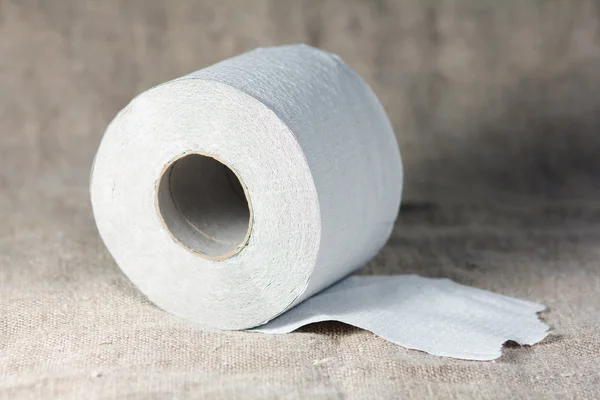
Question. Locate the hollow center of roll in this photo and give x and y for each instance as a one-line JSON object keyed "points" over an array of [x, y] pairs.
{"points": [[204, 206]]}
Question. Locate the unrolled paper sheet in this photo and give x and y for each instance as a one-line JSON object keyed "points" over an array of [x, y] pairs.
{"points": [[236, 193], [437, 316]]}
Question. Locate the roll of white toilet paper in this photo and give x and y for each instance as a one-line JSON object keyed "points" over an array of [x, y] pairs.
{"points": [[232, 194]]}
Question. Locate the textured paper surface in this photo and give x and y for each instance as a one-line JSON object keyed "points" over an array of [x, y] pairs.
{"points": [[437, 316], [316, 154]]}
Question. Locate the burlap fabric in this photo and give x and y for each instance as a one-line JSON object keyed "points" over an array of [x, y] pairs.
{"points": [[496, 106]]}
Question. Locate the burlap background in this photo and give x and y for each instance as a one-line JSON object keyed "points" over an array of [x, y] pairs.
{"points": [[497, 109]]}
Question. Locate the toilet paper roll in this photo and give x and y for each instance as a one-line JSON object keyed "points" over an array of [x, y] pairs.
{"points": [[234, 193]]}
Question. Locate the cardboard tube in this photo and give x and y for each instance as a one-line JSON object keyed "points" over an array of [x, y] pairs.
{"points": [[204, 206]]}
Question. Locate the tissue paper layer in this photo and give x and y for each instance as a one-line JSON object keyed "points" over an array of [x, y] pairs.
{"points": [[437, 316]]}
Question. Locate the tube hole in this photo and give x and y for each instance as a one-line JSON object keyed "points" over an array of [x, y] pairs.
{"points": [[204, 206]]}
